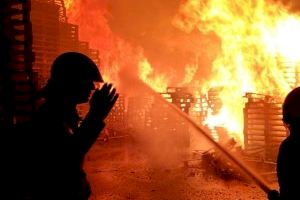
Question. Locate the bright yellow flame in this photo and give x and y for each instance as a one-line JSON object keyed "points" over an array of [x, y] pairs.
{"points": [[284, 39], [68, 3], [259, 40], [190, 71], [158, 83]]}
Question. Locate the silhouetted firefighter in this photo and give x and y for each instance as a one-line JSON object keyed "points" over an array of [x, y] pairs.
{"points": [[288, 165], [62, 139]]}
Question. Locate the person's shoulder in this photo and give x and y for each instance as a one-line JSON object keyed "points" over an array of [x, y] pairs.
{"points": [[285, 144], [286, 141], [289, 144]]}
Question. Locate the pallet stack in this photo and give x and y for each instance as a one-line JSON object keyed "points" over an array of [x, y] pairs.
{"points": [[164, 121], [213, 99], [16, 77], [53, 35], [199, 109], [68, 37], [116, 122], [179, 96], [167, 125], [263, 127], [84, 47], [291, 72], [45, 27], [138, 111]]}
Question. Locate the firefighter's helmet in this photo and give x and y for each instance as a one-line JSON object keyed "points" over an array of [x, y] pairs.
{"points": [[74, 66]]}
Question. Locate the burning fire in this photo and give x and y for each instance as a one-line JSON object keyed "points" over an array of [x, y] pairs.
{"points": [[68, 3], [259, 40], [158, 83]]}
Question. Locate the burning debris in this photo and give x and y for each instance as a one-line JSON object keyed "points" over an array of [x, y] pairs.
{"points": [[215, 163]]}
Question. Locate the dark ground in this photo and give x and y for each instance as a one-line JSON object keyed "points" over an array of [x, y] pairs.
{"points": [[120, 171]]}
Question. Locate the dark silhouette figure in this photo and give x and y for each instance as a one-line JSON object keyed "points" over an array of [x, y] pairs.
{"points": [[288, 165], [61, 139]]}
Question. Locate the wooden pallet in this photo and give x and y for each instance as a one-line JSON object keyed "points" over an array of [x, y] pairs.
{"points": [[17, 80], [45, 26], [263, 127], [116, 121], [53, 35]]}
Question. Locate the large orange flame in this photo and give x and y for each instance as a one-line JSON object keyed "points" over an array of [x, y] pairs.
{"points": [[115, 53], [159, 82], [259, 39], [68, 4]]}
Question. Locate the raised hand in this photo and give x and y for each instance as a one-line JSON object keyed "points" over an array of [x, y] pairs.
{"points": [[102, 101]]}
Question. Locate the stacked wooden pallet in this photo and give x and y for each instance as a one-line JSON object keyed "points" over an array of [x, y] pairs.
{"points": [[53, 35], [115, 122], [199, 109], [84, 47], [68, 37], [167, 125], [263, 127], [179, 96], [45, 27], [213, 99], [17, 79], [290, 71], [138, 111]]}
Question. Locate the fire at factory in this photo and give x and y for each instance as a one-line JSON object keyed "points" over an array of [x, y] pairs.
{"points": [[225, 65]]}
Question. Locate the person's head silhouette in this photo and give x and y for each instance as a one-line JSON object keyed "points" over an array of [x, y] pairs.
{"points": [[291, 109], [72, 78]]}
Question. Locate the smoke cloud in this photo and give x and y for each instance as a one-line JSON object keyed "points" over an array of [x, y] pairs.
{"points": [[121, 29]]}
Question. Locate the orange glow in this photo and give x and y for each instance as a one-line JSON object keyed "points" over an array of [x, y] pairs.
{"points": [[158, 83], [190, 71], [68, 3], [258, 39]]}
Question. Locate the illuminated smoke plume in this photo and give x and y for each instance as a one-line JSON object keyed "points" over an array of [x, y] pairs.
{"points": [[127, 32]]}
